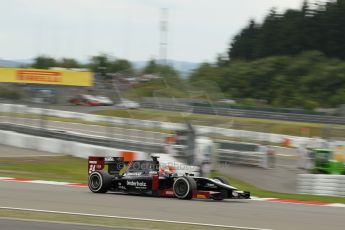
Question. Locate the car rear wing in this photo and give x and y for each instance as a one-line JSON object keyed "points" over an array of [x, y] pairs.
{"points": [[115, 164]]}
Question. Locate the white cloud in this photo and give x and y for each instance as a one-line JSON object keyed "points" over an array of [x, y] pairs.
{"points": [[199, 29]]}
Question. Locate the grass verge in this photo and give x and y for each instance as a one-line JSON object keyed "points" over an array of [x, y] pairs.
{"points": [[255, 191], [71, 169], [55, 168], [251, 124]]}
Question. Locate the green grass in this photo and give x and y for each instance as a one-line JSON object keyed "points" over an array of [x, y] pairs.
{"points": [[252, 124], [268, 194], [99, 221], [56, 168], [71, 169]]}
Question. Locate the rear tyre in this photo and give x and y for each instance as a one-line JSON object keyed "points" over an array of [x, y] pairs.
{"points": [[99, 182], [221, 179], [183, 187]]}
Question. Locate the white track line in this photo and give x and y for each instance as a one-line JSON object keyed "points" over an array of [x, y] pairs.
{"points": [[336, 205], [70, 184], [130, 218], [67, 223]]}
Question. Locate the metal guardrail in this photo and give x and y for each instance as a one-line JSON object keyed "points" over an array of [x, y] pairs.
{"points": [[22, 110], [247, 113], [241, 157], [223, 155], [83, 138]]}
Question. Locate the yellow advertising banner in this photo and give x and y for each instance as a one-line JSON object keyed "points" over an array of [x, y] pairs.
{"points": [[50, 77]]}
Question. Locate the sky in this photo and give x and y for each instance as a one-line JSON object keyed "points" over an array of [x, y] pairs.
{"points": [[198, 30]]}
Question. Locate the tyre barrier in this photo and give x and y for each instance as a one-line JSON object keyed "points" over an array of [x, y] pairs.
{"points": [[319, 184]]}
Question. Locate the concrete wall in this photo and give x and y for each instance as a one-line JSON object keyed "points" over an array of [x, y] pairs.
{"points": [[57, 146]]}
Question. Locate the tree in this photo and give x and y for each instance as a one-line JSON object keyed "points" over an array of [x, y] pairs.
{"points": [[294, 32], [68, 63], [44, 62], [308, 80], [100, 64], [105, 64], [121, 65], [165, 71], [244, 44]]}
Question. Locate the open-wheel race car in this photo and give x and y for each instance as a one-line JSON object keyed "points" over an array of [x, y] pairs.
{"points": [[152, 179]]}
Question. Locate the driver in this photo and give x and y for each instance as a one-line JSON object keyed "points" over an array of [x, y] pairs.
{"points": [[166, 170]]}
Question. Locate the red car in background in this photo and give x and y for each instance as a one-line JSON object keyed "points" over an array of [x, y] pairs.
{"points": [[85, 100]]}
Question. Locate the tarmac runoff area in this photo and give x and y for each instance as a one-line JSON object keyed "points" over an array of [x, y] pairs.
{"points": [[252, 214]]}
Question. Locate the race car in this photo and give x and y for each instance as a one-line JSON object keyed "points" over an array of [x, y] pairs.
{"points": [[153, 179]]}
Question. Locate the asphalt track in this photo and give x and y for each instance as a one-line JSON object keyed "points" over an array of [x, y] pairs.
{"points": [[246, 213], [9, 224]]}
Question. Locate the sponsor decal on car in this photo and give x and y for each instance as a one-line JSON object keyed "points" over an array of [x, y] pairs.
{"points": [[134, 173], [137, 184]]}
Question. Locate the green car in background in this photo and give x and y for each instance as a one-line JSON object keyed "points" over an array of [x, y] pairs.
{"points": [[326, 161]]}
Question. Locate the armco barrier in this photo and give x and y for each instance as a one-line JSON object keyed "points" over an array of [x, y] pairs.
{"points": [[57, 146], [317, 184], [60, 142], [85, 138], [241, 153], [242, 158], [249, 135], [247, 113]]}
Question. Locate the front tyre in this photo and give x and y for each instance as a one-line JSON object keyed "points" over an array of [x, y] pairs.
{"points": [[99, 182], [183, 187]]}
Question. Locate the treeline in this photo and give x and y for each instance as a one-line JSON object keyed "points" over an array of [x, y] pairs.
{"points": [[104, 64], [167, 84], [294, 59], [308, 80], [99, 64], [313, 27]]}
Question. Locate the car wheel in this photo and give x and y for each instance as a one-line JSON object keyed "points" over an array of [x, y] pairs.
{"points": [[183, 187], [99, 182]]}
